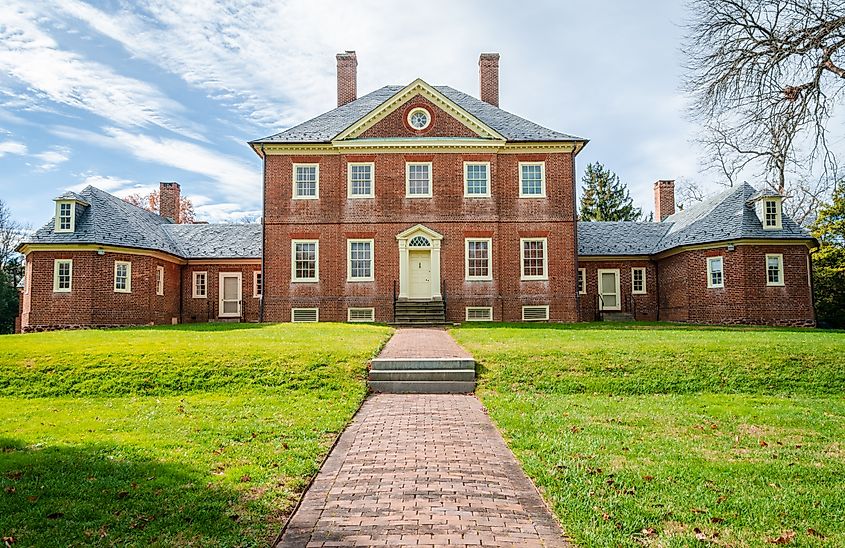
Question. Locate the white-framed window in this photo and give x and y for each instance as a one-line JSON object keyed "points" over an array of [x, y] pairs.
{"points": [[532, 179], [306, 181], [65, 216], [638, 281], [360, 179], [357, 315], [582, 281], [771, 214], [359, 261], [479, 313], [62, 275], [774, 269], [477, 179], [200, 285], [534, 258], [477, 259], [305, 260], [715, 272], [418, 180], [257, 284], [159, 280], [122, 277]]}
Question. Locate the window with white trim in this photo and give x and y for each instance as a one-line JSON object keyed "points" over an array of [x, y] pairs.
{"points": [[533, 258], [638, 281], [532, 179], [257, 284], [200, 285], [159, 280], [477, 179], [418, 179], [122, 277], [715, 272], [774, 269], [305, 266], [582, 281], [478, 259], [306, 181], [65, 216], [359, 179], [62, 275], [359, 255], [771, 214]]}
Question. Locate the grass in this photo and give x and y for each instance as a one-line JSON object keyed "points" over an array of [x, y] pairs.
{"points": [[667, 435], [189, 435]]}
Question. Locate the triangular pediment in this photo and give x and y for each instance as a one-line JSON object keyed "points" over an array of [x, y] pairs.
{"points": [[419, 88], [419, 230]]}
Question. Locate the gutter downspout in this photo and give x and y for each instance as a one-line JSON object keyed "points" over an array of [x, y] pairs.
{"points": [[263, 235]]}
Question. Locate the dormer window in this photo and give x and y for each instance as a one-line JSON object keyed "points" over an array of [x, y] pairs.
{"points": [[65, 216], [771, 214]]}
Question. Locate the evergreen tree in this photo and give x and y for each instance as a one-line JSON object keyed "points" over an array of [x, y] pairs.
{"points": [[829, 261], [605, 197]]}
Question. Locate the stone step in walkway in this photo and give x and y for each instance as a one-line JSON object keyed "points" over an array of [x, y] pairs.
{"points": [[421, 470], [422, 360]]}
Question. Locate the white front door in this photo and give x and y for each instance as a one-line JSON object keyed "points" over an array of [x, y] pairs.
{"points": [[230, 295], [609, 290], [420, 274]]}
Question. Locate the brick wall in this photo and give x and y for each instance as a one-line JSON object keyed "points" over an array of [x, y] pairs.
{"points": [[395, 124], [745, 299], [333, 218], [642, 306], [202, 309]]}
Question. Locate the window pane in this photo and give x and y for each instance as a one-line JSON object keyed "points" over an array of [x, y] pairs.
{"points": [[638, 280], [360, 260], [532, 180], [419, 179], [361, 179], [306, 260], [773, 269], [716, 271], [580, 281], [478, 258], [476, 179], [533, 258], [306, 181], [64, 216]]}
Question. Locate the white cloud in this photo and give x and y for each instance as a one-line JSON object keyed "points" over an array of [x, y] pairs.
{"points": [[50, 159], [233, 177], [224, 212], [33, 58], [12, 147]]}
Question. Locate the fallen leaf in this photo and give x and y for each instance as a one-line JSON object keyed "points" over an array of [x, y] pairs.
{"points": [[605, 516], [763, 443], [8, 541], [245, 479], [784, 538], [699, 534], [54, 515], [721, 499], [648, 478], [813, 533], [717, 520], [32, 498], [123, 494], [650, 532], [10, 490], [698, 510]]}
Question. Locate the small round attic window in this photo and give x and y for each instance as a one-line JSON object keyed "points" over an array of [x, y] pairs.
{"points": [[419, 118]]}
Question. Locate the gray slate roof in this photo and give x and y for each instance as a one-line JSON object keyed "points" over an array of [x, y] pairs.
{"points": [[108, 220], [723, 217], [329, 125]]}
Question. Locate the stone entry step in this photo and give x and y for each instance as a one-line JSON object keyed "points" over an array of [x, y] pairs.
{"points": [[422, 361]]}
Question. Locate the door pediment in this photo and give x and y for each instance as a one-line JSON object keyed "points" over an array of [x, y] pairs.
{"points": [[419, 230]]}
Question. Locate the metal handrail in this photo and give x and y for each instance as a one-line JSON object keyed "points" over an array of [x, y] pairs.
{"points": [[394, 301], [600, 306], [443, 295]]}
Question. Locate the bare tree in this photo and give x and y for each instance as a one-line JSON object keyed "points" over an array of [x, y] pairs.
{"points": [[11, 233], [151, 202], [688, 192], [765, 76]]}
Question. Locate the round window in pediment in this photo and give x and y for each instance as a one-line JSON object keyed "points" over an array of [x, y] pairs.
{"points": [[419, 118]]}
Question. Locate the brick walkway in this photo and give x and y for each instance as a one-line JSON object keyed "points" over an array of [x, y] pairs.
{"points": [[422, 470], [422, 343]]}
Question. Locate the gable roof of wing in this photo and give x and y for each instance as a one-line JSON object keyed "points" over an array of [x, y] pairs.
{"points": [[330, 125], [723, 217]]}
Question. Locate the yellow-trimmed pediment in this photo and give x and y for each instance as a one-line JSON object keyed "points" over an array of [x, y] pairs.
{"points": [[419, 87]]}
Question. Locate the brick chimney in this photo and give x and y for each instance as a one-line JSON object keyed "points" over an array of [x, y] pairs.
{"points": [[347, 77], [169, 197], [664, 199], [488, 75]]}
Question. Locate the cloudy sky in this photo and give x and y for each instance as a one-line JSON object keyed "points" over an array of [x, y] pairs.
{"points": [[124, 94]]}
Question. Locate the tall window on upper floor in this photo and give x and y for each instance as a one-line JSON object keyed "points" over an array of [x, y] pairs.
{"points": [[122, 277], [774, 269], [418, 180], [306, 181], [64, 217], [360, 180], [477, 179], [715, 272], [771, 214], [532, 179]]}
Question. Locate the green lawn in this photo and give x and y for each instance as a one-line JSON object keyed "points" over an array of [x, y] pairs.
{"points": [[198, 435], [674, 436]]}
